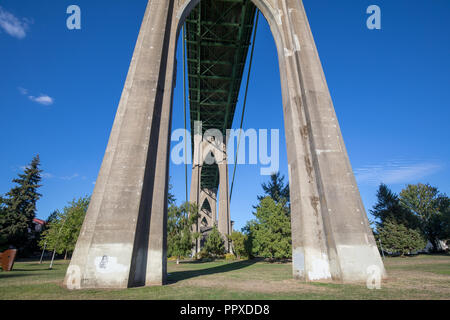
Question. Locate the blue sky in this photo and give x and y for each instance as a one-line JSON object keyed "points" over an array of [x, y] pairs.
{"points": [[59, 91]]}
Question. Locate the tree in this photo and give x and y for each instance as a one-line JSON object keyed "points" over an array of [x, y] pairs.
{"points": [[19, 207], [53, 216], [170, 196], [276, 189], [397, 238], [444, 209], [270, 233], [3, 239], [180, 235], [64, 229], [249, 230], [239, 240], [214, 244], [388, 207], [429, 206]]}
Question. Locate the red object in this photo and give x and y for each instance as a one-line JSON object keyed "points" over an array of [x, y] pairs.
{"points": [[39, 221], [7, 259]]}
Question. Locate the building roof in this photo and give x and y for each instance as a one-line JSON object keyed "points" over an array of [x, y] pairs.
{"points": [[39, 221]]}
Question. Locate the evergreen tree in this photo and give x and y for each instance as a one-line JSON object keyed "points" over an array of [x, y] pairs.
{"points": [[388, 207], [19, 207], [249, 230], [53, 216], [170, 196], [3, 239], [180, 235], [276, 189], [214, 244], [270, 233], [397, 238]]}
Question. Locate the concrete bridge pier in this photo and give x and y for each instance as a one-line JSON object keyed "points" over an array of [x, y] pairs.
{"points": [[122, 242], [203, 149]]}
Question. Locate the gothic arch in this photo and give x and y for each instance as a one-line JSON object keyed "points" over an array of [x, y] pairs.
{"points": [[331, 237]]}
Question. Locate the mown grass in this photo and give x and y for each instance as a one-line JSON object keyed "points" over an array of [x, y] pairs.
{"points": [[421, 277]]}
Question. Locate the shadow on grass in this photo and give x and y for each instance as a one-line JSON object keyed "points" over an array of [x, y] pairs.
{"points": [[176, 276], [11, 274], [44, 268]]}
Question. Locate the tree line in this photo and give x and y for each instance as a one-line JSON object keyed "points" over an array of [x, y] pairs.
{"points": [[18, 210], [404, 223], [407, 223], [268, 235]]}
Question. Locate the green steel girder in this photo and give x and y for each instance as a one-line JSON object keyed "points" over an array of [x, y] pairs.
{"points": [[218, 36]]}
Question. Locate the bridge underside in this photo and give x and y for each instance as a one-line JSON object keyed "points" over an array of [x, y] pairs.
{"points": [[218, 36], [123, 240]]}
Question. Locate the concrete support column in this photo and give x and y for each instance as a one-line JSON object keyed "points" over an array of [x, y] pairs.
{"points": [[224, 223], [196, 177], [331, 237], [123, 239], [213, 204]]}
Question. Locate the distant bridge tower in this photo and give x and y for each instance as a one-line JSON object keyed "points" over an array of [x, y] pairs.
{"points": [[123, 239]]}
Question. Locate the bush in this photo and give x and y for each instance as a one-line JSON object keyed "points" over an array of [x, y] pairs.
{"points": [[204, 256], [214, 244], [173, 258], [230, 256], [239, 240]]}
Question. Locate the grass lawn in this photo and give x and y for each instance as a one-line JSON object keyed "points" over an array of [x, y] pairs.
{"points": [[419, 277]]}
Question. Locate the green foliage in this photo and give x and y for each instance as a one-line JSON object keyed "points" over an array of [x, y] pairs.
{"points": [[63, 229], [270, 233], [214, 244], [276, 189], [170, 196], [230, 256], [52, 217], [180, 235], [444, 218], [388, 207], [18, 208], [3, 243], [430, 207], [397, 238], [239, 240]]}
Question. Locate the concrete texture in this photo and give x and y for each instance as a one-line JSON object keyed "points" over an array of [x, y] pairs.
{"points": [[123, 238], [203, 147]]}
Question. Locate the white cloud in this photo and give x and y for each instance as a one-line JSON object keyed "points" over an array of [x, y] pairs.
{"points": [[396, 172], [12, 25], [42, 99], [23, 91], [75, 175], [47, 175]]}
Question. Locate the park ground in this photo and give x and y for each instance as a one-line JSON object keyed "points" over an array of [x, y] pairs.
{"points": [[418, 277]]}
